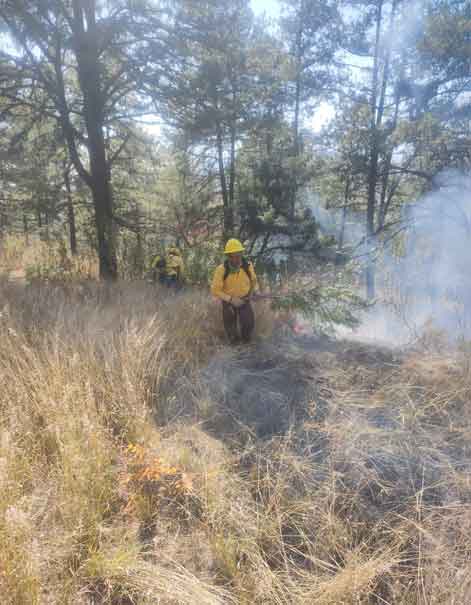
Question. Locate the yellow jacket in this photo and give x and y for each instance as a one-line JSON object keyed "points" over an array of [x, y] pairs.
{"points": [[174, 265], [236, 284], [171, 266]]}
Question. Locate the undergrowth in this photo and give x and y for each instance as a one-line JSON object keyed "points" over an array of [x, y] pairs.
{"points": [[142, 461]]}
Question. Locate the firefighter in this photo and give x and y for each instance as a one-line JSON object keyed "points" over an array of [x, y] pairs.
{"points": [[169, 268], [234, 282]]}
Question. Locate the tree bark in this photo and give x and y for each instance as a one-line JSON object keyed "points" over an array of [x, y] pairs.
{"points": [[26, 228], [384, 198], [70, 213], [88, 62], [232, 173], [373, 165], [343, 221], [228, 226], [297, 101], [297, 109], [298, 84]]}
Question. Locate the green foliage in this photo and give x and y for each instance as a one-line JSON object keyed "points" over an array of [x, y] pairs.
{"points": [[272, 183], [324, 306], [446, 37], [312, 30], [201, 261], [235, 95]]}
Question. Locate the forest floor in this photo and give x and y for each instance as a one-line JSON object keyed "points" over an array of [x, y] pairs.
{"points": [[143, 461]]}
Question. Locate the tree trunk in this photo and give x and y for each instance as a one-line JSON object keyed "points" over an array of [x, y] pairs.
{"points": [[102, 203], [373, 166], [298, 51], [384, 198], [26, 228], [46, 222], [343, 221], [228, 210], [139, 255], [297, 109], [87, 53], [70, 212], [232, 166], [370, 218], [139, 252], [297, 103]]}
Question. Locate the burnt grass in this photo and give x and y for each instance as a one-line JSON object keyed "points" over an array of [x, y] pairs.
{"points": [[326, 450], [346, 408], [260, 392], [373, 438], [272, 388]]}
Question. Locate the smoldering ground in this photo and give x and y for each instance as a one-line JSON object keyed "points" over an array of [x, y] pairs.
{"points": [[369, 414], [264, 389], [366, 440]]}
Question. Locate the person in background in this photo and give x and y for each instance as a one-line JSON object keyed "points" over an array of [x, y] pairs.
{"points": [[169, 268], [233, 283]]}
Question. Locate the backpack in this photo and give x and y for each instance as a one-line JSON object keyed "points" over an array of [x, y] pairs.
{"points": [[245, 266], [161, 263]]}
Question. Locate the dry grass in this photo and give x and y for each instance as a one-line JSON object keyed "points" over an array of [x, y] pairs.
{"points": [[142, 461], [35, 258]]}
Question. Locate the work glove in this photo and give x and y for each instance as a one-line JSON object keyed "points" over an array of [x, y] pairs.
{"points": [[237, 302]]}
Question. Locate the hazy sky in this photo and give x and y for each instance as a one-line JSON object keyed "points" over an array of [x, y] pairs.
{"points": [[271, 7]]}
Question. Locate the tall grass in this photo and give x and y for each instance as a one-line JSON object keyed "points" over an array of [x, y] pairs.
{"points": [[131, 470], [82, 369]]}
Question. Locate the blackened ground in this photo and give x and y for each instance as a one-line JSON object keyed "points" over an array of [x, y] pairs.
{"points": [[272, 387], [346, 405], [262, 390]]}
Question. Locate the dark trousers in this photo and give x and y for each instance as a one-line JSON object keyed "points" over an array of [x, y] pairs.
{"points": [[170, 281], [244, 316]]}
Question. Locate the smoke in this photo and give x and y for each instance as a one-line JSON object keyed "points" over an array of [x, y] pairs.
{"points": [[424, 274], [330, 221], [433, 275], [424, 277], [439, 240]]}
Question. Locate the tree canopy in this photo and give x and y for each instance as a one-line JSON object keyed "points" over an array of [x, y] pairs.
{"points": [[240, 148]]}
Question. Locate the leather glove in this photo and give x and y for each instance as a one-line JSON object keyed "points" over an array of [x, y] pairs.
{"points": [[237, 302]]}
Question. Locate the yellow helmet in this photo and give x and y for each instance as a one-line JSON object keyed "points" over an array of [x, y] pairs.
{"points": [[173, 250], [233, 246]]}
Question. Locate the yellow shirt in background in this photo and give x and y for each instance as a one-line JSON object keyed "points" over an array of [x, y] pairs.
{"points": [[174, 265]]}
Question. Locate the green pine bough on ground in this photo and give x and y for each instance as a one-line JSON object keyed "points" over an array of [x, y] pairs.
{"points": [[324, 306]]}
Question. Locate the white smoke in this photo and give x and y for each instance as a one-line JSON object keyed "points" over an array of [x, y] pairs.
{"points": [[424, 275], [427, 284], [435, 271], [330, 221]]}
